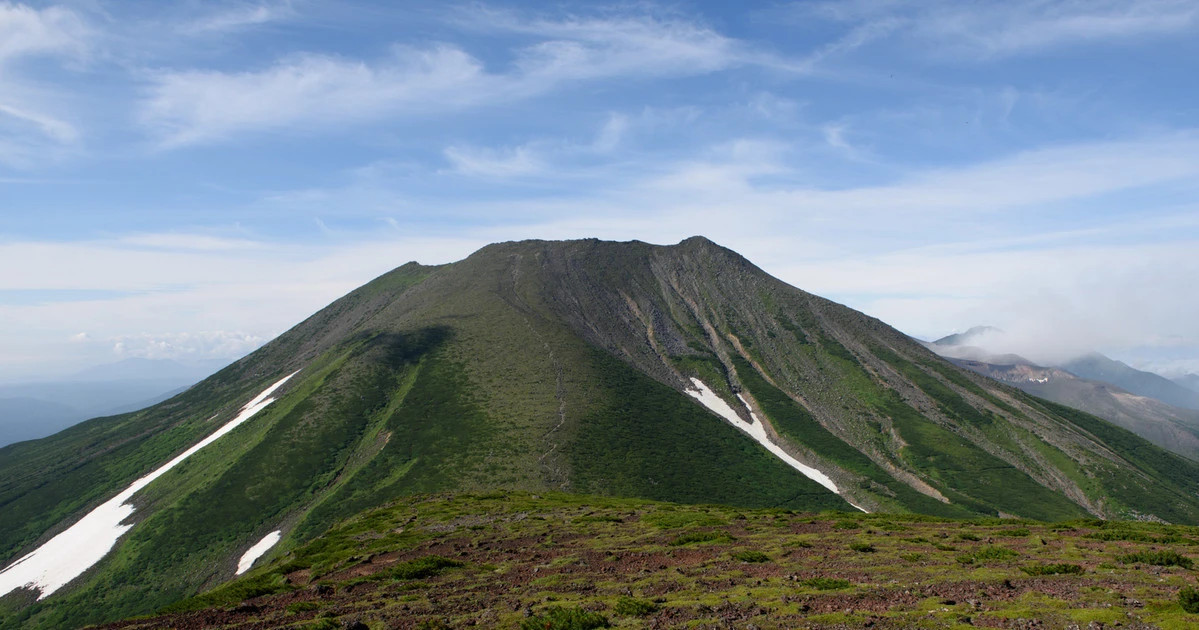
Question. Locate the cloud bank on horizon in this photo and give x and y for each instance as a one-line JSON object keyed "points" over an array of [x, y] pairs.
{"points": [[188, 180]]}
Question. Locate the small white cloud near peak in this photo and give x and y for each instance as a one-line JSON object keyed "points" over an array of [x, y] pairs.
{"points": [[208, 344]]}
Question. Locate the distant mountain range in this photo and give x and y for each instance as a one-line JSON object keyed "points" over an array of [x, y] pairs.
{"points": [[1161, 411], [1189, 381], [1097, 367], [35, 409], [677, 373]]}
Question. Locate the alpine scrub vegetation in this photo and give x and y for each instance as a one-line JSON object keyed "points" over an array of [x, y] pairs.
{"points": [[537, 561]]}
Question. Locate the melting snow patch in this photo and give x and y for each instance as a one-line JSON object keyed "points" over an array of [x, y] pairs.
{"points": [[757, 431], [254, 553], [73, 551]]}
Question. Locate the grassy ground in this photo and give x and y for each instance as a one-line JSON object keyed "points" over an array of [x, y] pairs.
{"points": [[564, 561]]}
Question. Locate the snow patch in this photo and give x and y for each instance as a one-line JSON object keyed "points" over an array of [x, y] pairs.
{"points": [[756, 430], [73, 551], [254, 553]]}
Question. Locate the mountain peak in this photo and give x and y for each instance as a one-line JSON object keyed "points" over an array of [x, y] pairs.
{"points": [[666, 372], [964, 338]]}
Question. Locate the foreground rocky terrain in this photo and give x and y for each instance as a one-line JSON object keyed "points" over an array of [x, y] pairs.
{"points": [[505, 560]]}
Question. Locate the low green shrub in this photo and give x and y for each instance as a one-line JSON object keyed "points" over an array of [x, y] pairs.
{"points": [[633, 607], [1118, 534], [300, 607], [559, 618], [1158, 558], [1188, 598], [862, 547], [826, 584], [993, 553], [1060, 568], [689, 538], [417, 569], [751, 556]]}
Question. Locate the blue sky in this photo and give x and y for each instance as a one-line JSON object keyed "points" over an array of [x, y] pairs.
{"points": [[187, 180]]}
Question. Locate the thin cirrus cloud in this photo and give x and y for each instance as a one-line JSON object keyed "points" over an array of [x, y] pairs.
{"points": [[953, 30], [29, 130], [495, 163], [200, 106], [237, 18], [26, 31]]}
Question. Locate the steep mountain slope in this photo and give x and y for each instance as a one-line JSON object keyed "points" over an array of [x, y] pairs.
{"points": [[1097, 367], [622, 369], [1169, 427]]}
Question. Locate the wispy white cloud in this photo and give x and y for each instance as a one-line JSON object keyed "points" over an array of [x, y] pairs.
{"points": [[53, 128], [31, 129], [204, 344], [541, 158], [319, 91], [313, 90], [237, 18], [611, 134], [987, 30], [588, 48], [481, 162], [29, 137], [180, 241], [27, 31]]}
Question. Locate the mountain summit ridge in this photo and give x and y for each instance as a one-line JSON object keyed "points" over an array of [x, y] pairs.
{"points": [[572, 366]]}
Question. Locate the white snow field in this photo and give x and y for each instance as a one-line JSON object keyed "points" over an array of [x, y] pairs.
{"points": [[254, 553], [70, 553], [757, 431]]}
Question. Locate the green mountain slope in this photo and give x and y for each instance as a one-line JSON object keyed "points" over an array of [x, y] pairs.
{"points": [[562, 366]]}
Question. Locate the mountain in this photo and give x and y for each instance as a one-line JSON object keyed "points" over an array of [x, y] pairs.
{"points": [[35, 409], [1169, 427], [141, 369], [1097, 367], [1173, 428], [674, 373], [969, 338], [1189, 381]]}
